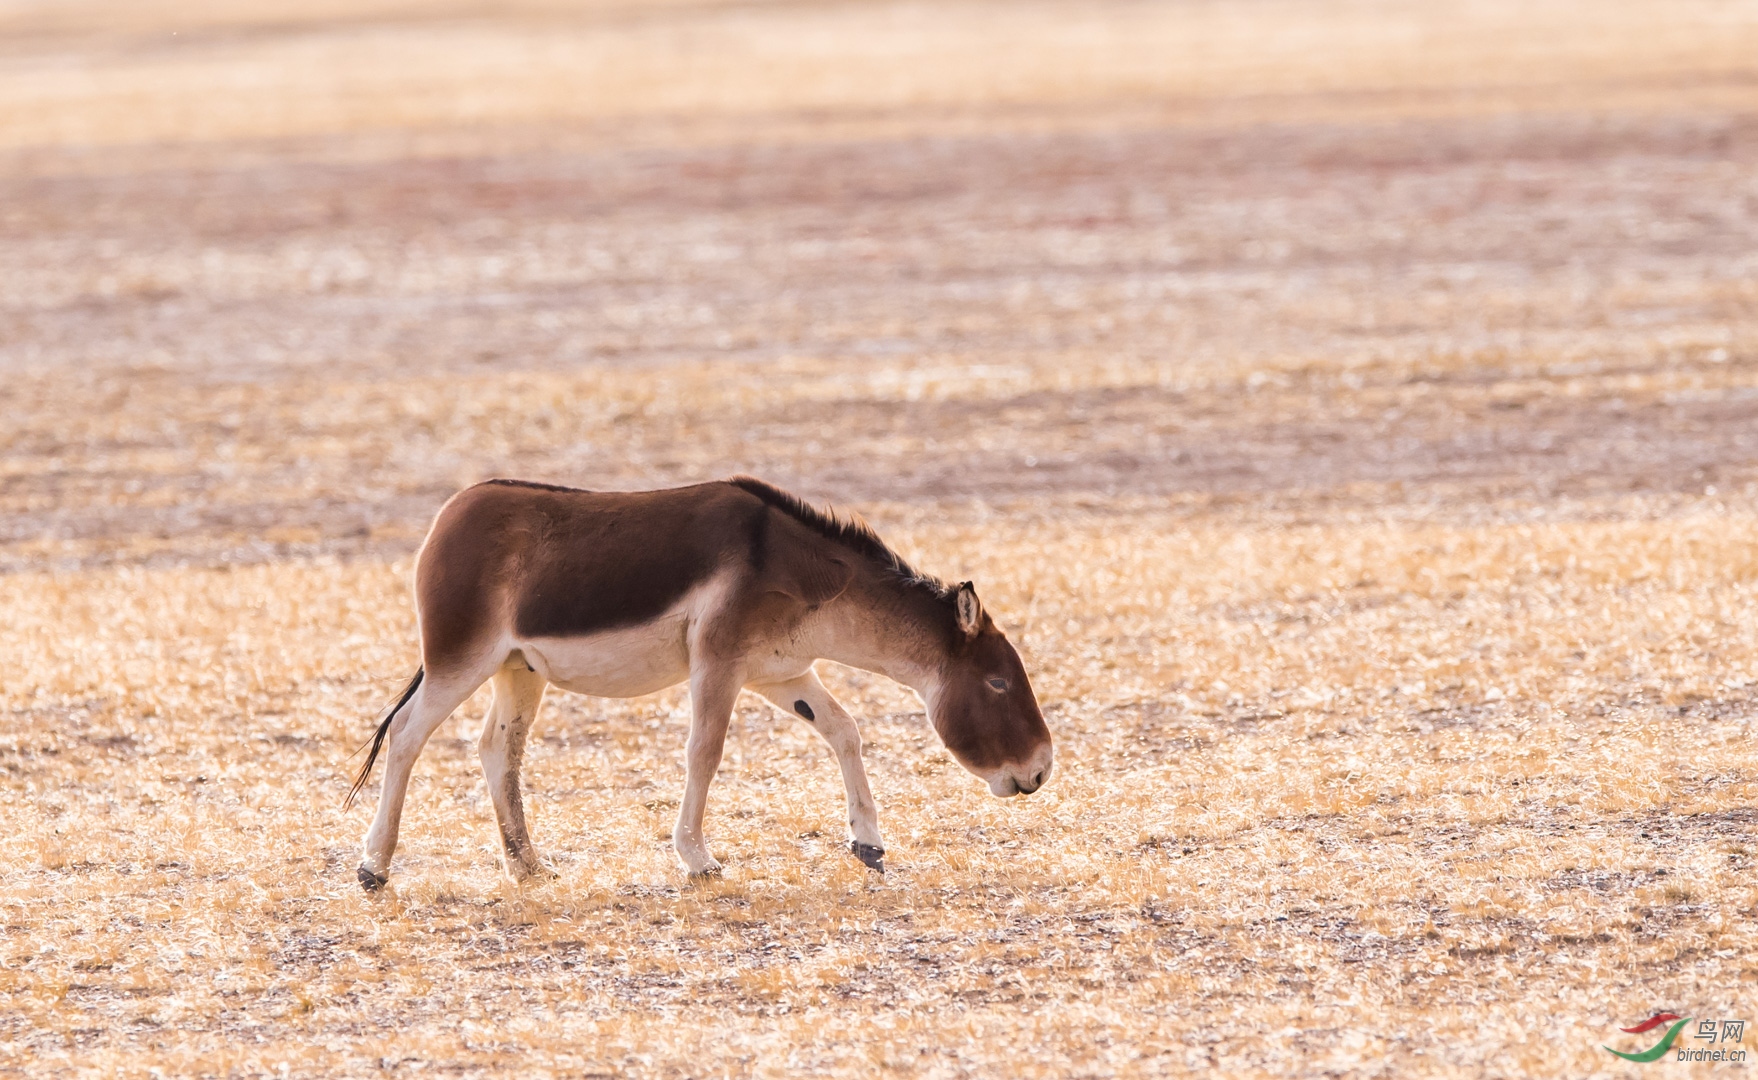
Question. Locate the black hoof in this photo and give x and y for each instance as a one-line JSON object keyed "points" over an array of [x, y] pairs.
{"points": [[873, 856], [370, 881]]}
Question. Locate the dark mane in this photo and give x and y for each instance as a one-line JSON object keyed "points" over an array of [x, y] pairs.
{"points": [[849, 530]]}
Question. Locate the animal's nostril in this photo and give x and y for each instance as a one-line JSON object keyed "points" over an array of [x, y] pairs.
{"points": [[1038, 780]]}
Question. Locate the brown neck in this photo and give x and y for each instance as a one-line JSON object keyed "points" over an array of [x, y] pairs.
{"points": [[888, 626]]}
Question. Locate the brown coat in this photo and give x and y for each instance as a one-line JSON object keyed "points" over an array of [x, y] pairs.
{"points": [[734, 584]]}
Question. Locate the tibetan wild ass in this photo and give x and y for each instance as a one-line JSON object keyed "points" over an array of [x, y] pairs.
{"points": [[730, 585]]}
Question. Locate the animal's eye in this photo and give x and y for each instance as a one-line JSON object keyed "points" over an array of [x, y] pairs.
{"points": [[998, 685]]}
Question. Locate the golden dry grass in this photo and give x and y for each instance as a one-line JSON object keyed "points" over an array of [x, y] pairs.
{"points": [[1348, 795], [1350, 407]]}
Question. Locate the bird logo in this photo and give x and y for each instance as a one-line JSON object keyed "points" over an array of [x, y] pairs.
{"points": [[1659, 1049]]}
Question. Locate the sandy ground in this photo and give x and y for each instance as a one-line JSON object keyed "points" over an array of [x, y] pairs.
{"points": [[1352, 408]]}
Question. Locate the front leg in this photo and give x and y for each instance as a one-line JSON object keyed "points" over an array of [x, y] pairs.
{"points": [[806, 698], [713, 690]]}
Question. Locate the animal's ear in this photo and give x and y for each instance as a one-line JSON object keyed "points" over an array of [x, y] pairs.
{"points": [[817, 578], [969, 609]]}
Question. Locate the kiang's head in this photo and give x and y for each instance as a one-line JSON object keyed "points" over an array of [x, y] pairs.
{"points": [[984, 709]]}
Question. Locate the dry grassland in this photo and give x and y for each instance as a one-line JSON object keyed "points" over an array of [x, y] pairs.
{"points": [[1351, 408]]}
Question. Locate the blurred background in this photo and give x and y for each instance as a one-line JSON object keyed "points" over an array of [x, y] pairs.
{"points": [[277, 277], [1350, 406]]}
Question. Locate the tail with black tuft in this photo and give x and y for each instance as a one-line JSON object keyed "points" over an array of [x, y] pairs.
{"points": [[378, 737]]}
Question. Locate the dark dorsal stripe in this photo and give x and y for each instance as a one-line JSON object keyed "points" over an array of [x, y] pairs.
{"points": [[848, 530], [539, 486]]}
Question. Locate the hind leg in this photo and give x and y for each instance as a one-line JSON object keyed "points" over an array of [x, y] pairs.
{"points": [[518, 692], [410, 729]]}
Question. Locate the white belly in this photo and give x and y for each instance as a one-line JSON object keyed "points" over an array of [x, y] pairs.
{"points": [[621, 663]]}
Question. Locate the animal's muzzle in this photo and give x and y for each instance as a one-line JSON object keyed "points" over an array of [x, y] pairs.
{"points": [[1019, 781]]}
